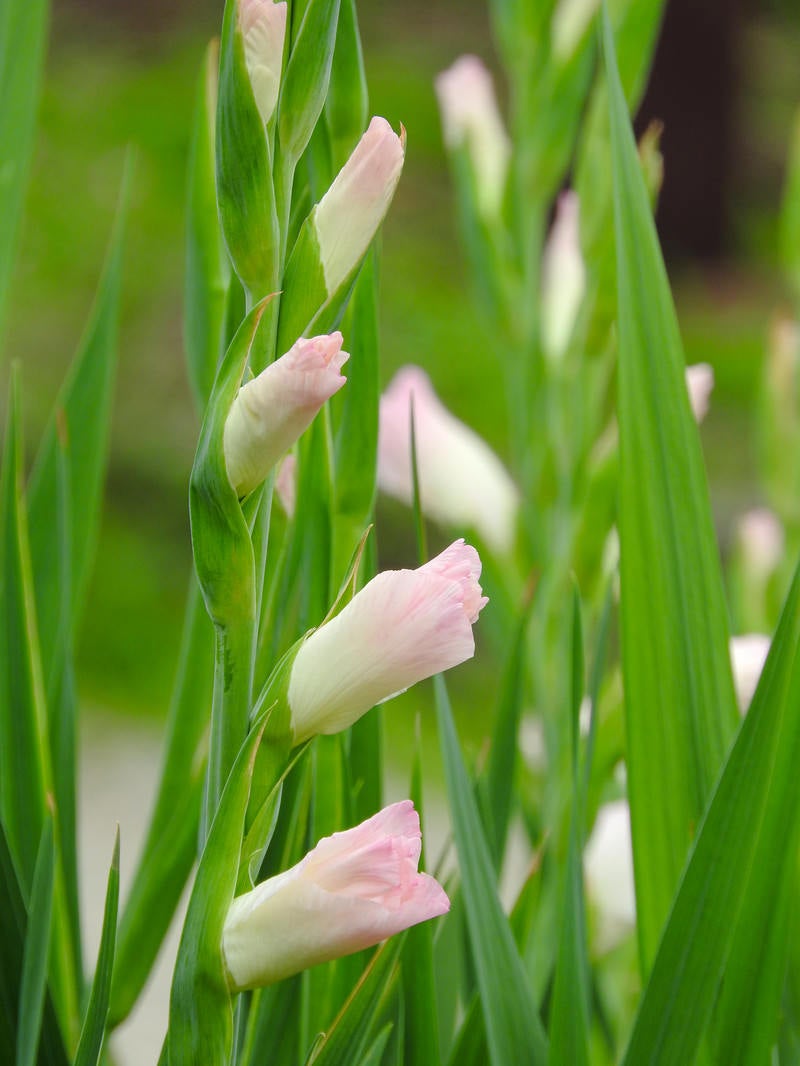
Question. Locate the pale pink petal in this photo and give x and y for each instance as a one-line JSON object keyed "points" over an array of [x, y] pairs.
{"points": [[403, 626], [471, 118], [353, 890], [263, 26], [462, 482], [349, 214]]}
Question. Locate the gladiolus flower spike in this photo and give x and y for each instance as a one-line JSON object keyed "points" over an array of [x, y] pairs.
{"points": [[353, 890]]}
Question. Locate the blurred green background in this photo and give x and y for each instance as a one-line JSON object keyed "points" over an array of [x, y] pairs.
{"points": [[123, 73]]}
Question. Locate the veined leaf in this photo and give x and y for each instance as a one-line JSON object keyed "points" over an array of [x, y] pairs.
{"points": [[24, 774], [514, 1030], [501, 767], [200, 1012], [356, 435], [730, 910], [33, 982], [349, 1034], [94, 1024], [23, 37], [679, 701], [421, 1032], [13, 932], [569, 1014], [305, 80]]}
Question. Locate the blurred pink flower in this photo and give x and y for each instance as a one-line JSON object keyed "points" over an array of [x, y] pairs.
{"points": [[471, 118], [353, 890], [263, 26], [699, 382], [350, 212], [762, 541], [563, 278], [462, 481], [403, 626], [271, 411]]}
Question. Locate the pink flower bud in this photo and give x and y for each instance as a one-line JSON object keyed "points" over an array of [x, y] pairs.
{"points": [[470, 118], [563, 278], [353, 890], [348, 215], [263, 26], [748, 655], [271, 411], [699, 382], [403, 626], [462, 481]]}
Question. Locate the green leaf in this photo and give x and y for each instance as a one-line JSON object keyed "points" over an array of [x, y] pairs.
{"points": [[23, 37], [513, 1027], [225, 566], [94, 1023], [356, 437], [374, 1056], [200, 1011], [80, 426], [350, 1032], [729, 912], [33, 981], [421, 1032], [501, 767], [305, 80], [347, 104], [161, 877], [679, 701], [13, 932], [207, 265], [171, 844], [569, 1012], [24, 777]]}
